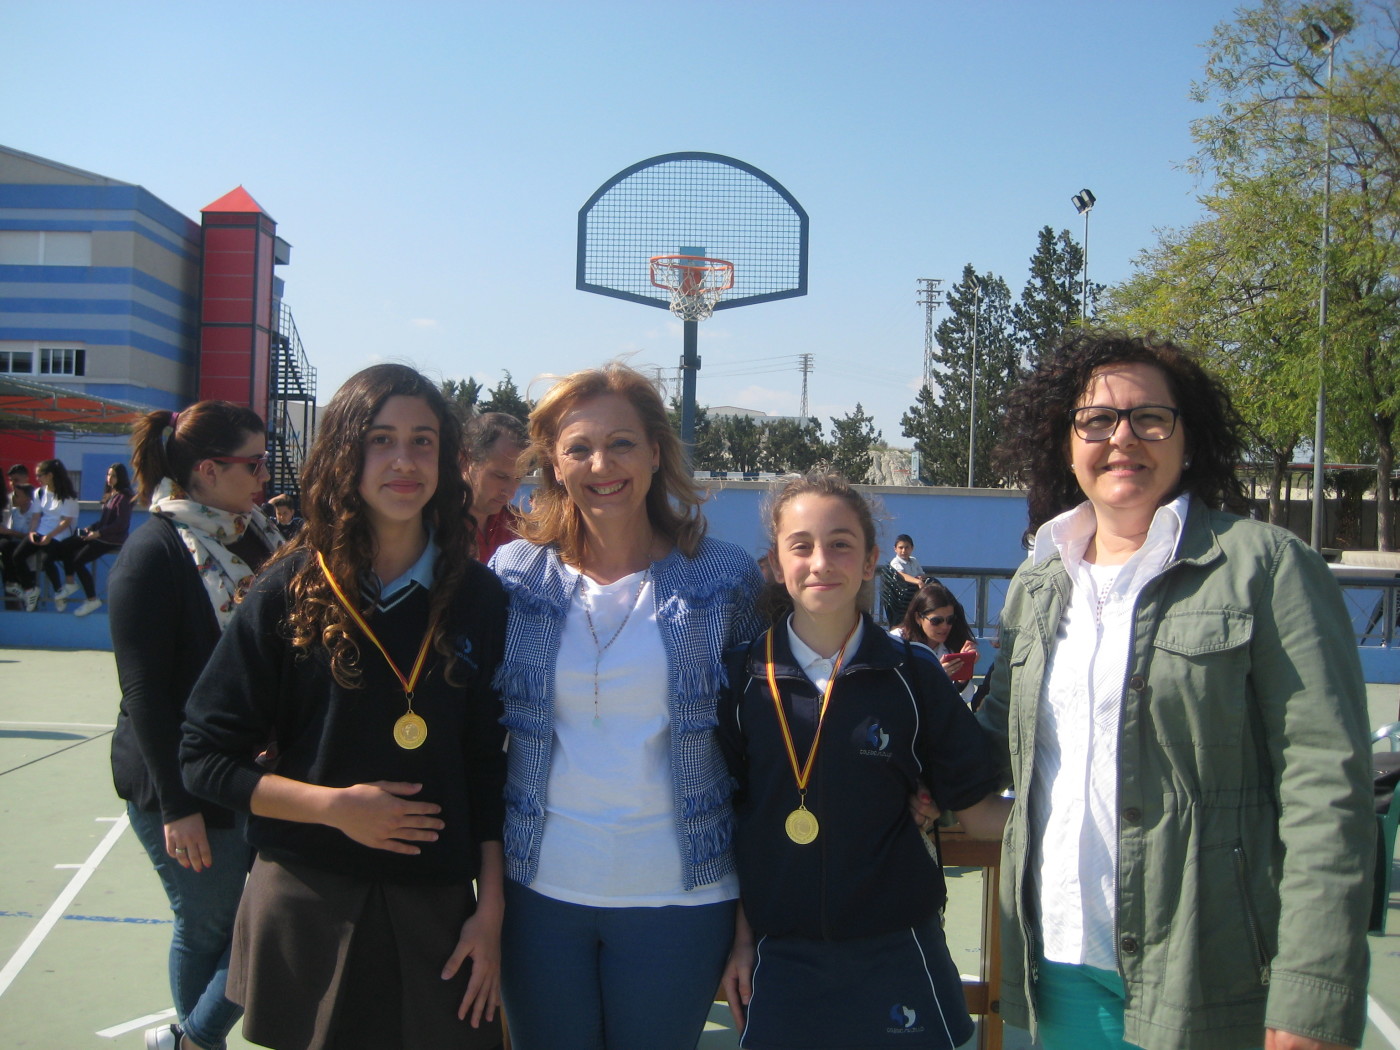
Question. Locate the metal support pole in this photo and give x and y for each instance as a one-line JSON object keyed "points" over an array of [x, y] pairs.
{"points": [[972, 395], [690, 364], [1319, 431]]}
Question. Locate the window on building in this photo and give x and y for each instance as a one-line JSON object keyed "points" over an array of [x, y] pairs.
{"points": [[62, 362], [45, 248], [17, 362]]}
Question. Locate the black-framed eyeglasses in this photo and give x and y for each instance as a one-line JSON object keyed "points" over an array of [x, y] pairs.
{"points": [[1148, 422], [254, 463], [937, 621]]}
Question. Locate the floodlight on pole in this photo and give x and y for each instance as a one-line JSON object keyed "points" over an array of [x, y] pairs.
{"points": [[972, 396], [1318, 36], [1083, 202]]}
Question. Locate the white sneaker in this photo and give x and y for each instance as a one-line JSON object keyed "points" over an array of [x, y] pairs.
{"points": [[91, 605], [166, 1037], [31, 599], [13, 590], [59, 605], [68, 590]]}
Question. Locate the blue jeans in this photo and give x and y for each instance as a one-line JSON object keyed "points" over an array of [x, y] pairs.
{"points": [[575, 977], [204, 904]]}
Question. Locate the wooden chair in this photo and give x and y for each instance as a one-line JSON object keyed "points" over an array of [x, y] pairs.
{"points": [[984, 994]]}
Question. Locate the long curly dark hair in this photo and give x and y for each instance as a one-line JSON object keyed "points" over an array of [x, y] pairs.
{"points": [[1036, 426], [337, 526]]}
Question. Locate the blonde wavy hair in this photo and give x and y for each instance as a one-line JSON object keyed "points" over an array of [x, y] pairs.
{"points": [[673, 501]]}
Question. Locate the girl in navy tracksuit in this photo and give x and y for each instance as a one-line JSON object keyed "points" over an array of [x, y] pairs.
{"points": [[829, 726]]}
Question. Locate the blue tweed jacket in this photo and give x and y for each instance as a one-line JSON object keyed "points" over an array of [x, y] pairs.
{"points": [[703, 605]]}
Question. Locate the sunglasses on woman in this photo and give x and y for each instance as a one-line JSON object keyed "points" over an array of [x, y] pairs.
{"points": [[936, 621], [254, 463]]}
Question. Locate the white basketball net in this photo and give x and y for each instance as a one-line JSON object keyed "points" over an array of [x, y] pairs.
{"points": [[696, 284]]}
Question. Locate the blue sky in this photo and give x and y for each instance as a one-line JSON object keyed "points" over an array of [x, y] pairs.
{"points": [[427, 160]]}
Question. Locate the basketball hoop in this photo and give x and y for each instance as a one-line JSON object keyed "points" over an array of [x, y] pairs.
{"points": [[696, 283]]}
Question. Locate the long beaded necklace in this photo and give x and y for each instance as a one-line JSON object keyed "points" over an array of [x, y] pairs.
{"points": [[599, 650]]}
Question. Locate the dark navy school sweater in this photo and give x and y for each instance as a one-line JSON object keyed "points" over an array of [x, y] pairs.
{"points": [[894, 720]]}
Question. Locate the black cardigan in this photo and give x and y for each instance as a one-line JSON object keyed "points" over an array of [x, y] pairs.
{"points": [[257, 686], [163, 632]]}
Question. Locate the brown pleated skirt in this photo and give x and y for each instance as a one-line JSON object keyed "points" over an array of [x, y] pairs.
{"points": [[323, 961]]}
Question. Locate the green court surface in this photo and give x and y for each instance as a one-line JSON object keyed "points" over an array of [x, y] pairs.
{"points": [[84, 926]]}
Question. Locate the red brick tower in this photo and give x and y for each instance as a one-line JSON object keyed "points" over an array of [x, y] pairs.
{"points": [[235, 317]]}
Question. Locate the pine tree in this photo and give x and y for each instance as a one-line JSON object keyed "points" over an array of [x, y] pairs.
{"points": [[505, 397], [851, 438], [464, 393], [793, 446], [938, 420], [1050, 301]]}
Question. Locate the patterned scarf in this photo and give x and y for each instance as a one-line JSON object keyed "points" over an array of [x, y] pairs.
{"points": [[207, 534]]}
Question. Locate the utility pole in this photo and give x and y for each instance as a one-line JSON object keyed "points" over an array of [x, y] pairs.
{"points": [[930, 298], [806, 366]]}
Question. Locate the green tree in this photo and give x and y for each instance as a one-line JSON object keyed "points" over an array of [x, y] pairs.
{"points": [[1236, 286], [938, 420], [851, 438], [793, 446], [505, 397], [1273, 106], [708, 450], [464, 393], [1050, 300], [743, 442]]}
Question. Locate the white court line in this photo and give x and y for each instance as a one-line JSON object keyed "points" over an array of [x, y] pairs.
{"points": [[148, 1021], [62, 725], [1382, 1021], [36, 936]]}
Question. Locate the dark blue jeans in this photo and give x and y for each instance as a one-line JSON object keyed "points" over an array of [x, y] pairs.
{"points": [[204, 904], [582, 978]]}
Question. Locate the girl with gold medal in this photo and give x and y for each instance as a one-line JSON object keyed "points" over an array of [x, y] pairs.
{"points": [[829, 726], [366, 653]]}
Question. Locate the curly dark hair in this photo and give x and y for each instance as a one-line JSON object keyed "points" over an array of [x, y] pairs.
{"points": [[1036, 426], [934, 595], [337, 526]]}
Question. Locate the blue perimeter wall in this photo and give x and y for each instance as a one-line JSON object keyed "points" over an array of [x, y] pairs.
{"points": [[979, 529]]}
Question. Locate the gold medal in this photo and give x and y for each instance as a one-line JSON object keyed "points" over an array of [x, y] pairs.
{"points": [[801, 826], [410, 731]]}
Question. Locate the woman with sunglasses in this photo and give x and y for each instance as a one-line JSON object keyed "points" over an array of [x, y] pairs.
{"points": [[171, 593], [936, 619], [1179, 705]]}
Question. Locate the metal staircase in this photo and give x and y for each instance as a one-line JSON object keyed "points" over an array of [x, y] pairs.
{"points": [[291, 404]]}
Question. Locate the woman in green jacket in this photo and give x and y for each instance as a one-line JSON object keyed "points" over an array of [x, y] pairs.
{"points": [[1180, 708]]}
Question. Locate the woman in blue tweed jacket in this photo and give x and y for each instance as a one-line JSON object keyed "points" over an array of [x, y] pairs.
{"points": [[621, 890]]}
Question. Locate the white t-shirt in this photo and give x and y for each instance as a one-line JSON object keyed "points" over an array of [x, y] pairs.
{"points": [[610, 836], [908, 566], [53, 510]]}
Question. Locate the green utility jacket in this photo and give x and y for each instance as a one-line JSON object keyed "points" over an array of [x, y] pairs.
{"points": [[1246, 833]]}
